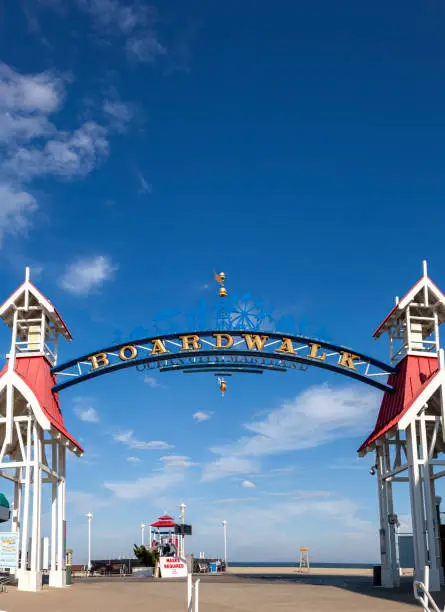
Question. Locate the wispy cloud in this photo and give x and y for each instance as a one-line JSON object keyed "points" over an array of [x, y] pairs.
{"points": [[229, 466], [177, 461], [248, 484], [316, 416], [202, 415], [129, 440], [133, 459], [118, 113], [134, 24], [151, 381], [85, 502], [87, 275], [88, 414], [84, 410], [171, 474], [144, 185]]}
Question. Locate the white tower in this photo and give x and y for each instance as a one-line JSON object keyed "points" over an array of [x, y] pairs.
{"points": [[33, 437], [408, 437]]}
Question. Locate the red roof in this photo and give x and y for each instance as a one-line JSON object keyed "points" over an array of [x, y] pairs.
{"points": [[35, 371], [164, 521], [413, 374]]}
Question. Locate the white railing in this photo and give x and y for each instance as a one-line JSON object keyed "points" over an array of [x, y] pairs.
{"points": [[423, 596], [192, 594]]}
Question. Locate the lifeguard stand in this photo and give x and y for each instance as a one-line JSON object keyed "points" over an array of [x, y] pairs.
{"points": [[408, 437], [33, 437], [304, 559]]}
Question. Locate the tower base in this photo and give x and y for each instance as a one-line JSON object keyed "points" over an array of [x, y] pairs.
{"points": [[57, 579], [29, 580]]}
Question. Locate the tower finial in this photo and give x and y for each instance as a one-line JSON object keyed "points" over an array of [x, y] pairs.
{"points": [[425, 267], [27, 273]]}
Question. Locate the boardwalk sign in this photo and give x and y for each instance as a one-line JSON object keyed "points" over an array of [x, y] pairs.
{"points": [[9, 551], [224, 353]]}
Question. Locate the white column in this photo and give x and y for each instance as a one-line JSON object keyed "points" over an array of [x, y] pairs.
{"points": [[53, 579], [393, 570], [16, 522], [25, 527], [61, 510], [90, 518], [417, 512], [385, 544], [430, 512]]}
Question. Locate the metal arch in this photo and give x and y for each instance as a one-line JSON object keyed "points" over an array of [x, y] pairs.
{"points": [[238, 356]]}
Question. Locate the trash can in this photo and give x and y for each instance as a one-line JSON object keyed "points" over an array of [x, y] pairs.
{"points": [[377, 575], [213, 568], [68, 575]]}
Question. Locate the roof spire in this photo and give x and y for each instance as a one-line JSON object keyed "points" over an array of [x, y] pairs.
{"points": [[425, 268], [27, 273]]}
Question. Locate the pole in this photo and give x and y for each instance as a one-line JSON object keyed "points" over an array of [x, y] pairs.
{"points": [[196, 595], [189, 592], [181, 537], [89, 517], [142, 533], [225, 541]]}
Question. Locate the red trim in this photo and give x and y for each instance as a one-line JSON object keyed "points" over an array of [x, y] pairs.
{"points": [[413, 375], [36, 373]]}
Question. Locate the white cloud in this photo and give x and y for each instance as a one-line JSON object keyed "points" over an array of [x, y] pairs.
{"points": [[202, 415], [133, 459], [32, 146], [87, 414], [177, 461], [151, 381], [129, 440], [170, 476], [86, 275], [30, 93], [316, 416], [248, 484], [229, 466], [85, 502], [16, 207], [148, 486], [67, 155]]}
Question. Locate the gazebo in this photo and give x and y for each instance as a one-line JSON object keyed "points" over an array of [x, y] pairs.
{"points": [[165, 529]]}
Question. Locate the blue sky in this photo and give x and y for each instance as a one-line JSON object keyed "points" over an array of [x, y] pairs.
{"points": [[299, 148]]}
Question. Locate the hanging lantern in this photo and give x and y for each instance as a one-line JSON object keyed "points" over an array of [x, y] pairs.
{"points": [[223, 292], [222, 385]]}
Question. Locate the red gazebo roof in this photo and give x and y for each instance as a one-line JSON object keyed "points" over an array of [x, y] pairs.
{"points": [[164, 521]]}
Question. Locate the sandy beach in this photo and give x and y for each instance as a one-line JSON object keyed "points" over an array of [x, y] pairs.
{"points": [[241, 592], [316, 571]]}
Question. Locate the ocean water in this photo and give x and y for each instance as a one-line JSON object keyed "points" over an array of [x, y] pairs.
{"points": [[297, 564]]}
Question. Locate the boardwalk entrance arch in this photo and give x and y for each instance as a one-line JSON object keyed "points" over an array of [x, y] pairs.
{"points": [[408, 436]]}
